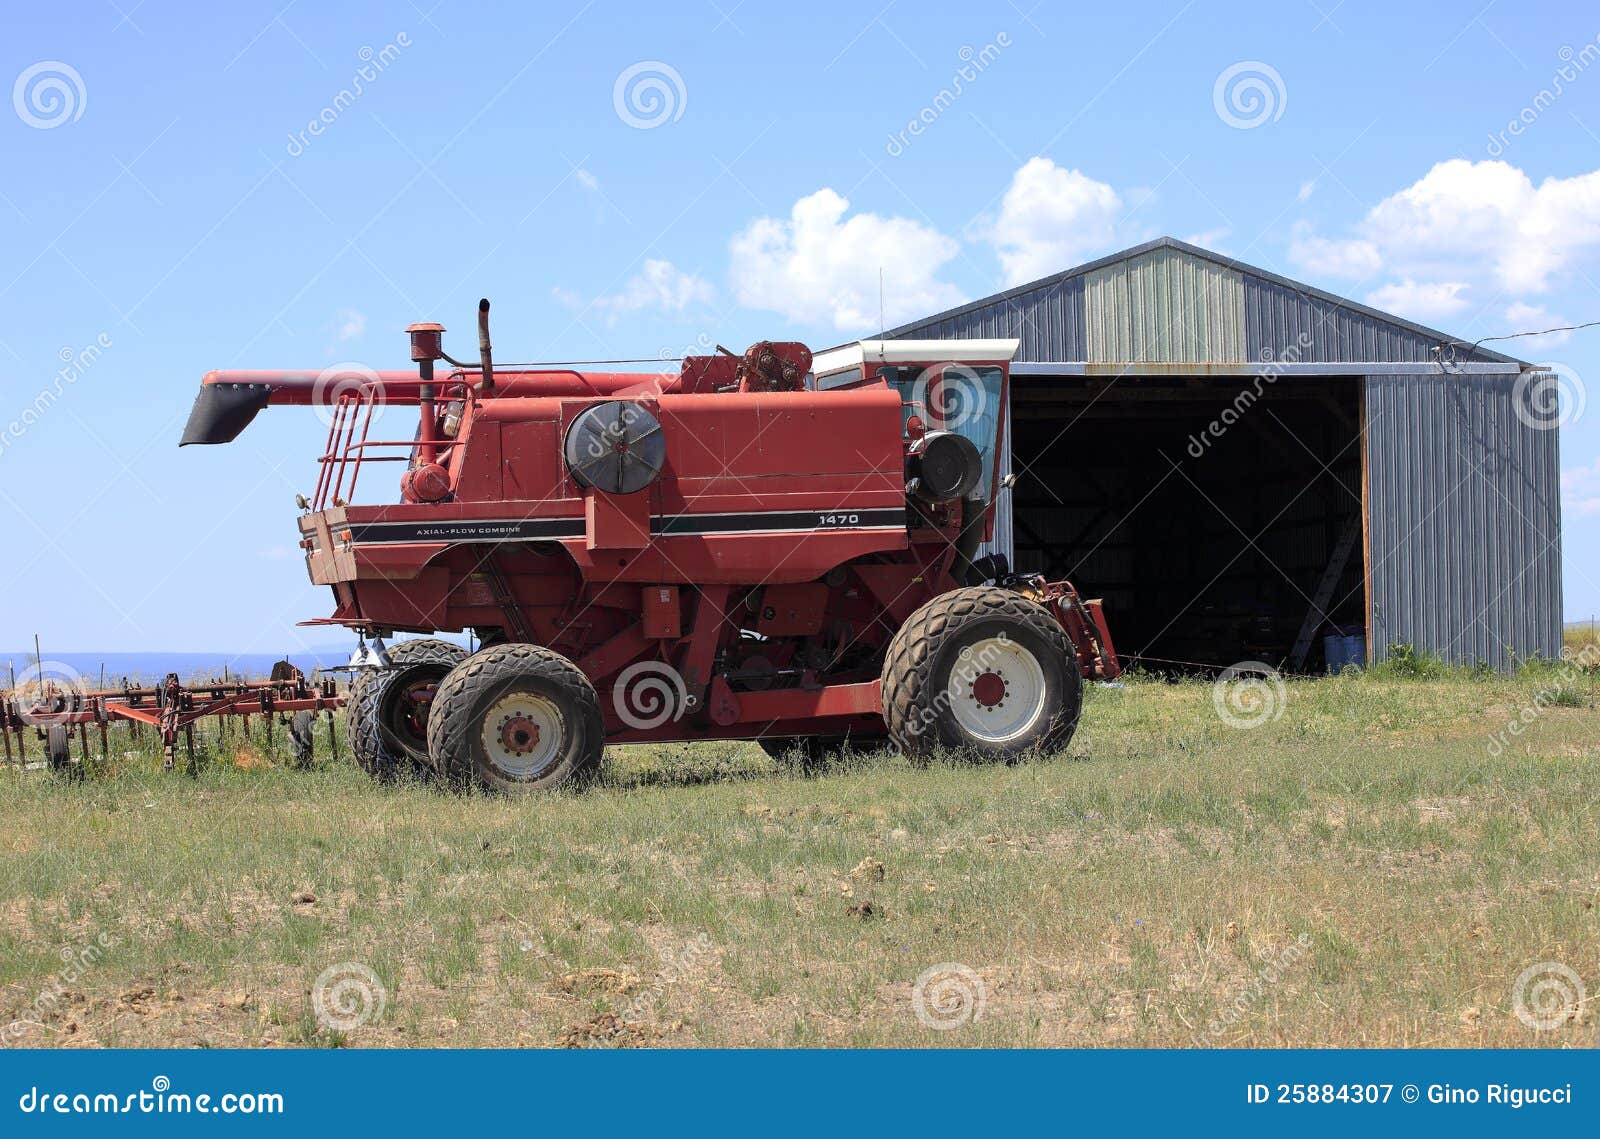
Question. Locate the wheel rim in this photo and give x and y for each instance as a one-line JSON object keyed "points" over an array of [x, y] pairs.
{"points": [[997, 690], [522, 734], [404, 716]]}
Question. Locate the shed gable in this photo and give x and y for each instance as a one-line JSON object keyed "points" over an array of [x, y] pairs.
{"points": [[1164, 306]]}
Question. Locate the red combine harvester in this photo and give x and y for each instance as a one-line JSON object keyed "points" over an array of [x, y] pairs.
{"points": [[764, 547]]}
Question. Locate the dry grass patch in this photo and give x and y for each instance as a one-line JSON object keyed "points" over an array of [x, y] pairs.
{"points": [[1365, 869]]}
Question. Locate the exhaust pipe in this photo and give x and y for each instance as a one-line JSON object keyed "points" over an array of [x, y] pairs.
{"points": [[485, 353]]}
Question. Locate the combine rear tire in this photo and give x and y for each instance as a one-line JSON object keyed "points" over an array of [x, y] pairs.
{"points": [[982, 670], [386, 711], [515, 718]]}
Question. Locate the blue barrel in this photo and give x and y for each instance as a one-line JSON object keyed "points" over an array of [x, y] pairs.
{"points": [[1345, 645]]}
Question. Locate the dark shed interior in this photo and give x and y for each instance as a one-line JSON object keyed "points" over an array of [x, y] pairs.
{"points": [[1220, 518]]}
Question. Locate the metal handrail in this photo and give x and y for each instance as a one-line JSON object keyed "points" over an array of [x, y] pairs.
{"points": [[347, 450]]}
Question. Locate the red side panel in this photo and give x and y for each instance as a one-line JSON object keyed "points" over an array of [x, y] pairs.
{"points": [[617, 521], [663, 613], [792, 610]]}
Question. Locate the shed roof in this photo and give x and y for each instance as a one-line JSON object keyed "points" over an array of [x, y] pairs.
{"points": [[1166, 301]]}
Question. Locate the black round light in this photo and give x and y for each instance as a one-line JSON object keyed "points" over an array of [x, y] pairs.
{"points": [[949, 466]]}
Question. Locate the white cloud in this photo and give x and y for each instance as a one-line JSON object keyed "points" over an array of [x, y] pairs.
{"points": [[1532, 318], [1052, 219], [817, 265], [1211, 239], [660, 285], [1491, 215], [1423, 301], [348, 324], [1580, 490], [1350, 258], [585, 179], [1485, 223]]}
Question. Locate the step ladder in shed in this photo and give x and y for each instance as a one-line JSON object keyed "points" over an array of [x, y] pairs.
{"points": [[1317, 614]]}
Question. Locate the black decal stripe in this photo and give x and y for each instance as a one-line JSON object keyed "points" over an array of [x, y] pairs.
{"points": [[663, 525], [485, 530], [780, 521]]}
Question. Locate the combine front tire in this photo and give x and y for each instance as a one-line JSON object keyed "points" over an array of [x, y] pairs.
{"points": [[982, 670], [515, 718], [386, 711]]}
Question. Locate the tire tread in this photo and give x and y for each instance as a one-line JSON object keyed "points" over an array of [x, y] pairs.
{"points": [[451, 721], [366, 691], [909, 689]]}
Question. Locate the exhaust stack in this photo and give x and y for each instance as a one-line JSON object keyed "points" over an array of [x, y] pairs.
{"points": [[485, 352]]}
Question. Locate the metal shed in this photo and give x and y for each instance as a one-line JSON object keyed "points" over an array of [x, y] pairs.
{"points": [[1240, 464]]}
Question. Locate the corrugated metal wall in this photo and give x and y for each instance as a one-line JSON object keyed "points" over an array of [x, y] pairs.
{"points": [[1164, 306], [1463, 519], [1276, 317], [1048, 320]]}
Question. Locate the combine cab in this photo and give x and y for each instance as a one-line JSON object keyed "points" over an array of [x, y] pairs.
{"points": [[763, 547]]}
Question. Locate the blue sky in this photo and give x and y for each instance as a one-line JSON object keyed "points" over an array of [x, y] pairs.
{"points": [[638, 179]]}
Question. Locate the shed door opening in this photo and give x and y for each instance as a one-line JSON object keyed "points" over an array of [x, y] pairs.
{"points": [[1219, 518]]}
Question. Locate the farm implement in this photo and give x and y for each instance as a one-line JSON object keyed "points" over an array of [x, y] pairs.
{"points": [[52, 705], [763, 546]]}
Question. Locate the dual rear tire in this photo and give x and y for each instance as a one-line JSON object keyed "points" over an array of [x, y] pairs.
{"points": [[386, 710], [511, 717]]}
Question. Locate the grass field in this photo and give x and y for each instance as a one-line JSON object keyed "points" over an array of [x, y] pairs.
{"points": [[1376, 865]]}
